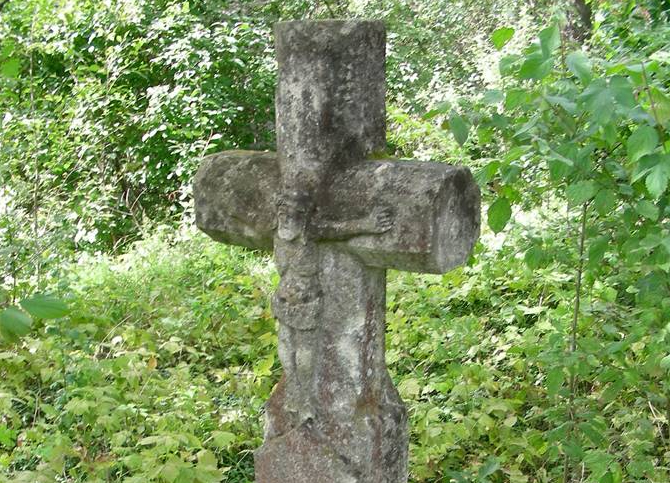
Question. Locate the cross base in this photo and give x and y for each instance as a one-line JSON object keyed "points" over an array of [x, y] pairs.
{"points": [[357, 433]]}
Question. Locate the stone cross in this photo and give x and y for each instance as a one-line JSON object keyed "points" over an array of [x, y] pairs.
{"points": [[336, 217]]}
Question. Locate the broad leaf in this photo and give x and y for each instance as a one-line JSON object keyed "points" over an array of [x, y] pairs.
{"points": [[533, 257], [661, 106], [536, 67], [489, 467], [459, 128], [45, 307], [507, 64], [550, 40], [657, 179], [10, 68], [581, 192], [493, 96], [555, 379], [622, 91], [599, 101], [501, 36], [642, 142], [222, 439], [15, 322], [440, 108], [499, 214], [597, 250], [605, 201], [647, 209], [580, 65]]}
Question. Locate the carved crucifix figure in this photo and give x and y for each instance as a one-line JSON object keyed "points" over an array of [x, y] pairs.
{"points": [[336, 220]]}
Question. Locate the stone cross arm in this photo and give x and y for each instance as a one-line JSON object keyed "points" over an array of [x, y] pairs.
{"points": [[434, 207]]}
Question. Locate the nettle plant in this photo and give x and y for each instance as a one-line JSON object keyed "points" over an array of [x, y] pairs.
{"points": [[585, 133]]}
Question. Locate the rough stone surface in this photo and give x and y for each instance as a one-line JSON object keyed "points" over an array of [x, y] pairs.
{"points": [[336, 222], [435, 207]]}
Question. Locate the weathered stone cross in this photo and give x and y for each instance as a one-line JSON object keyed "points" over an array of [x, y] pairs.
{"points": [[336, 219]]}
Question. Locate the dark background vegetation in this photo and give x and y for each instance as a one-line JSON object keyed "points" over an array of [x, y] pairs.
{"points": [[133, 349]]}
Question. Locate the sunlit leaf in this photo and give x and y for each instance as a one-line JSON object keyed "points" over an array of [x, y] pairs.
{"points": [[502, 36]]}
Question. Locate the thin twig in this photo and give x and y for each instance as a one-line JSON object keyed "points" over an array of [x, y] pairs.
{"points": [[573, 335]]}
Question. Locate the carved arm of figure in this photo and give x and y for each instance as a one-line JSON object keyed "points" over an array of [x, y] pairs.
{"points": [[380, 220]]}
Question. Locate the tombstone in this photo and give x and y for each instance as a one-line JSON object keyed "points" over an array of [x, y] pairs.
{"points": [[337, 218]]}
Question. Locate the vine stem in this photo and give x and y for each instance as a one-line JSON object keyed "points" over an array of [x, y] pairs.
{"points": [[573, 332]]}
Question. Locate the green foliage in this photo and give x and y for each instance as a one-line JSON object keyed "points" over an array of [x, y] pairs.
{"points": [[544, 360], [152, 382], [585, 131]]}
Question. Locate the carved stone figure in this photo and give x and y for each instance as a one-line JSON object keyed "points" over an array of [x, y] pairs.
{"points": [[336, 221]]}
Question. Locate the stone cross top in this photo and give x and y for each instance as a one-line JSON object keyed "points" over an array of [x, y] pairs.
{"points": [[336, 219]]}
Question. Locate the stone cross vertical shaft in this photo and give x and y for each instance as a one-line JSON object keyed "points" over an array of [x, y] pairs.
{"points": [[336, 219]]}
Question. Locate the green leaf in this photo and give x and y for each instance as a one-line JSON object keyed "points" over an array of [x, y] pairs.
{"points": [[490, 466], [665, 363], [499, 214], [264, 366], [550, 40], [440, 108], [647, 209], [622, 90], [580, 65], [592, 433], [507, 65], [536, 67], [45, 307], [515, 97], [493, 96], [661, 106], [222, 439], [604, 202], [459, 128], [502, 36], [170, 470], [567, 104], [555, 379], [10, 68], [7, 437], [487, 173], [409, 387], [533, 257], [657, 179], [207, 459], [581, 192], [642, 142], [15, 322], [597, 250], [559, 165], [599, 101], [606, 478]]}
